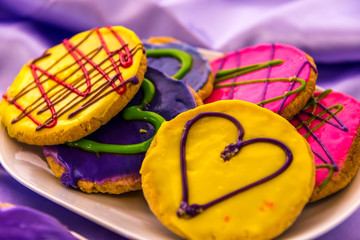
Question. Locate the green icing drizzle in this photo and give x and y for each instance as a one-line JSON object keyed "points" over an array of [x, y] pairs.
{"points": [[330, 174], [299, 89], [313, 102], [223, 75], [183, 57], [131, 113]]}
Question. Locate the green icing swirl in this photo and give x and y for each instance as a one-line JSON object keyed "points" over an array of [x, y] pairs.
{"points": [[131, 113], [330, 174], [184, 58]]}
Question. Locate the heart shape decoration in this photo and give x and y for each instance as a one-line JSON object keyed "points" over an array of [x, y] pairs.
{"points": [[236, 172], [188, 211]]}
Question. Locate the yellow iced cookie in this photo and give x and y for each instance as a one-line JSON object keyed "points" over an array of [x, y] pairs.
{"points": [[74, 87], [228, 170]]}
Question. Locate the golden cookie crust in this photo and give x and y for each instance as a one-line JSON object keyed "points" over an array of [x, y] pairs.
{"points": [[197, 98], [162, 40], [207, 88], [125, 184], [5, 205]]}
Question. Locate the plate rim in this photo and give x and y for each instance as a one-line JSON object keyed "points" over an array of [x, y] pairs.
{"points": [[313, 233]]}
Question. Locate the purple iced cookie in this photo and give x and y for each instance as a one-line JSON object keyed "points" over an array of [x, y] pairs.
{"points": [[183, 62], [109, 159]]}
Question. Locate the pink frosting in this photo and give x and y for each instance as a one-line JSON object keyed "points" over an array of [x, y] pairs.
{"points": [[336, 141], [293, 61]]}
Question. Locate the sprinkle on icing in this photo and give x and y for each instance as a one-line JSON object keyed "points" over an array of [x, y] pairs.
{"points": [[186, 210], [143, 131]]}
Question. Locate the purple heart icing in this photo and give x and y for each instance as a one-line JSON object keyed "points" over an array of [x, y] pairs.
{"points": [[187, 211]]}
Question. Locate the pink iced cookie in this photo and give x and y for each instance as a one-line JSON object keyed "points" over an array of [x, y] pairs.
{"points": [[278, 77], [330, 124]]}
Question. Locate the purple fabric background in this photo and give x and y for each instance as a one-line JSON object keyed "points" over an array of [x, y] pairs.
{"points": [[328, 30]]}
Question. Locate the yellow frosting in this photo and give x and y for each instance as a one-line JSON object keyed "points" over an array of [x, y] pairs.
{"points": [[261, 212], [97, 111]]}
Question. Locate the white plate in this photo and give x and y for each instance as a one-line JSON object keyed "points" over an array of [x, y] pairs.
{"points": [[126, 214], [129, 215]]}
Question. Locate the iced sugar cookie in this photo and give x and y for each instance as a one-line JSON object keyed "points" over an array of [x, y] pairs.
{"points": [[278, 77], [111, 161], [183, 62], [74, 87], [228, 170], [330, 124], [18, 222]]}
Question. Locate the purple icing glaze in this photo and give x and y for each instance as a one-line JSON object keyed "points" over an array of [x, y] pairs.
{"points": [[171, 98], [186, 210], [22, 223], [195, 78]]}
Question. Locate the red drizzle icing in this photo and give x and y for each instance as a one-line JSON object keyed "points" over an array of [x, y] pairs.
{"points": [[82, 60]]}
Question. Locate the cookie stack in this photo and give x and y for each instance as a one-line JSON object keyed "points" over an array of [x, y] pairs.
{"points": [[115, 114], [282, 79]]}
